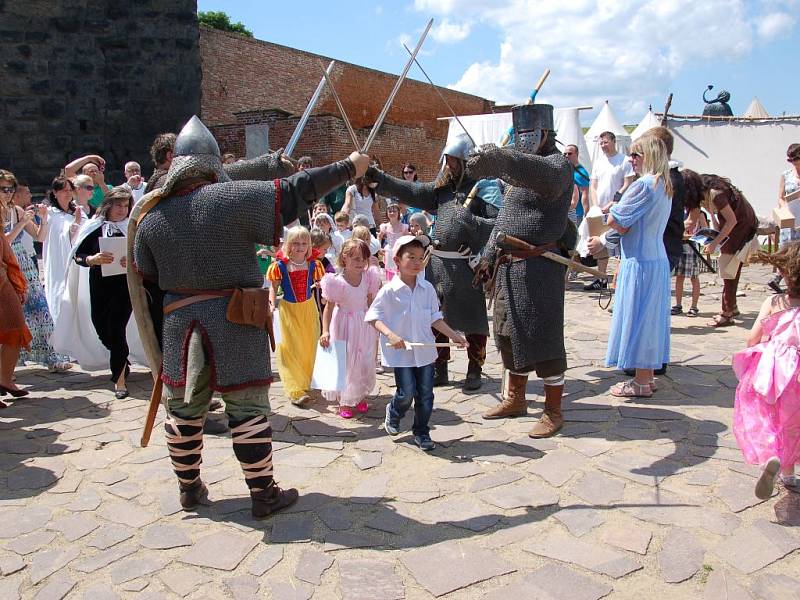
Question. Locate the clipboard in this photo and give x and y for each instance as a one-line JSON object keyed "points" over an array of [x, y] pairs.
{"points": [[118, 246]]}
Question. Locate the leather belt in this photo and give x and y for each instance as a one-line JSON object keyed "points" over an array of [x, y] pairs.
{"points": [[193, 297], [533, 253]]}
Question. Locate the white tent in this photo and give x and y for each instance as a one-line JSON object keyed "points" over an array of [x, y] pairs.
{"points": [[646, 124], [756, 110], [569, 131], [606, 121], [752, 154]]}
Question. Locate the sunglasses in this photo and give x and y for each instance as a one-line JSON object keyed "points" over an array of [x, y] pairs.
{"points": [[88, 188], [408, 172], [792, 159], [635, 155], [8, 190]]}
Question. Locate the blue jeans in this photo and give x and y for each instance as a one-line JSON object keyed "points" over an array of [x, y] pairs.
{"points": [[413, 384]]}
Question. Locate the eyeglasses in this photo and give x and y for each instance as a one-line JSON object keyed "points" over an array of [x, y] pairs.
{"points": [[569, 153], [408, 172], [8, 190]]}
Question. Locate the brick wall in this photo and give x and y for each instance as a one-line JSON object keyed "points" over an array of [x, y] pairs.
{"points": [[91, 76], [244, 78]]}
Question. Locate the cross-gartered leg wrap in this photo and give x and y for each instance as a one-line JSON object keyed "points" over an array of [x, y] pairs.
{"points": [[252, 444], [185, 443]]}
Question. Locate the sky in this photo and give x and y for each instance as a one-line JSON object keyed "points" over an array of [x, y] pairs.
{"points": [[632, 53]]}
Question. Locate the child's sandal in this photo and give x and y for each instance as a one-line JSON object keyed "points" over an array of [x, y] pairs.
{"points": [[346, 412], [692, 312], [362, 407], [631, 389]]}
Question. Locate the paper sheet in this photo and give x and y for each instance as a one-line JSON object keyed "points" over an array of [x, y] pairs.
{"points": [[118, 246], [330, 367]]}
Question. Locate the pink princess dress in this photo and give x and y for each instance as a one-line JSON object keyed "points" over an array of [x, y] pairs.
{"points": [[766, 416], [348, 324]]}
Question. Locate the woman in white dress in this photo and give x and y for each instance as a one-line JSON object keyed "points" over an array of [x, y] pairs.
{"points": [[787, 191], [64, 219]]}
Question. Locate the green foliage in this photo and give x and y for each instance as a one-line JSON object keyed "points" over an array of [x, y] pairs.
{"points": [[220, 20]]}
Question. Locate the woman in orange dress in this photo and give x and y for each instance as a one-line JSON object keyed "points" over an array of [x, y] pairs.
{"points": [[14, 333]]}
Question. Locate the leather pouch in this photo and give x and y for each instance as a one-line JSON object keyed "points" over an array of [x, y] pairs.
{"points": [[250, 306]]}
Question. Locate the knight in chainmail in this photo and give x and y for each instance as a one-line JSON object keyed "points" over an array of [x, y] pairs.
{"points": [[194, 237], [463, 225], [529, 302]]}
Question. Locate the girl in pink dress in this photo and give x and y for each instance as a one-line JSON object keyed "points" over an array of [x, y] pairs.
{"points": [[766, 416], [348, 296], [388, 234]]}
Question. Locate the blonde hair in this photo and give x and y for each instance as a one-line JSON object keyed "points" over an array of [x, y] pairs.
{"points": [[82, 180], [655, 160], [352, 246], [297, 234], [362, 233]]}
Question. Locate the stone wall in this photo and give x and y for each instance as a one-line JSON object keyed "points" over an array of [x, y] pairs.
{"points": [[91, 76]]}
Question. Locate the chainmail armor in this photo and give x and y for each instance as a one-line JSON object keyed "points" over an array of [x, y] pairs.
{"points": [[463, 305], [535, 210]]}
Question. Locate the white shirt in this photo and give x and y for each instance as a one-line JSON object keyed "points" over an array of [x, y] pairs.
{"points": [[362, 205], [136, 193], [409, 314], [610, 173]]}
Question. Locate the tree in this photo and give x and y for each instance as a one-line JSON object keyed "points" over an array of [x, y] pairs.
{"points": [[220, 20]]}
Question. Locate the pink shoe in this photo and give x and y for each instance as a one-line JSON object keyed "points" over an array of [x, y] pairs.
{"points": [[362, 407], [346, 412]]}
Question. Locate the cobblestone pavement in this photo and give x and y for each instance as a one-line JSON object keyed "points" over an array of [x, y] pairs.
{"points": [[639, 499]]}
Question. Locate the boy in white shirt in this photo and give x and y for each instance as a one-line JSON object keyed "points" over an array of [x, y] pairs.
{"points": [[405, 310]]}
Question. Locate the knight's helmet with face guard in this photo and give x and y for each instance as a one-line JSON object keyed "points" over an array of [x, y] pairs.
{"points": [[532, 122]]}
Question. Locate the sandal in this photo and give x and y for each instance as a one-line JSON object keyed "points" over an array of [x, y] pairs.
{"points": [[720, 321], [692, 312], [60, 367], [362, 407], [653, 386], [346, 412], [677, 310], [631, 389]]}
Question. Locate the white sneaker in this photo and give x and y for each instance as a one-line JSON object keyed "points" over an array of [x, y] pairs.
{"points": [[766, 483]]}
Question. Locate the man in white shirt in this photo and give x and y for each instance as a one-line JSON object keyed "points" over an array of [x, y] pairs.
{"points": [[612, 173], [134, 180]]}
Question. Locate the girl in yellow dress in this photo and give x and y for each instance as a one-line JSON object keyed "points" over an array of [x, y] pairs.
{"points": [[296, 270]]}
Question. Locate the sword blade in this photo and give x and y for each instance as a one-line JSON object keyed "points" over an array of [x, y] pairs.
{"points": [[374, 132], [446, 103], [339, 104], [301, 124]]}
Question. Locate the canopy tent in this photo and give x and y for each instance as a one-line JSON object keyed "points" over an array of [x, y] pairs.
{"points": [[606, 121], [752, 154], [490, 129], [649, 121], [756, 110]]}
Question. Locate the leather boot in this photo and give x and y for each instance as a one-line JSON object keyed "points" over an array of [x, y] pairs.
{"points": [[192, 494], [473, 381], [271, 500], [514, 403], [440, 376], [552, 420]]}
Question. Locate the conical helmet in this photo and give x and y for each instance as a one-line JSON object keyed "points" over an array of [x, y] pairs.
{"points": [[195, 138], [196, 155]]}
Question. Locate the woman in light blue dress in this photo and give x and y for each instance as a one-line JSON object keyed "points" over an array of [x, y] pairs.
{"points": [[639, 336]]}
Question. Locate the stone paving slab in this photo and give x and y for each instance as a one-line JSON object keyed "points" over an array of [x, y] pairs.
{"points": [[636, 498]]}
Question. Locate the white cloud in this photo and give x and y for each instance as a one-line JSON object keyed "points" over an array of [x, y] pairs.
{"points": [[448, 32], [775, 24], [625, 51]]}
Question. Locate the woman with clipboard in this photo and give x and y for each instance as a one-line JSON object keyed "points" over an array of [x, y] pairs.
{"points": [[108, 284]]}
